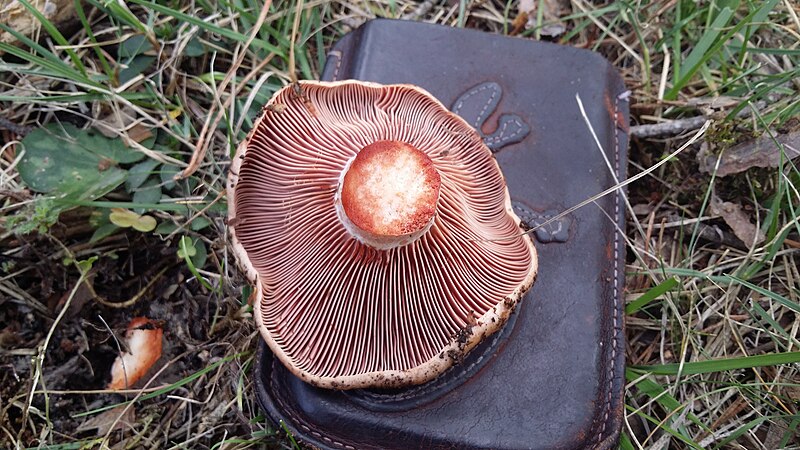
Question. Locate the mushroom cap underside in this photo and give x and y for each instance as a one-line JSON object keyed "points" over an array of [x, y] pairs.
{"points": [[342, 314]]}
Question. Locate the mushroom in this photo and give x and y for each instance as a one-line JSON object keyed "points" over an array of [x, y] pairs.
{"points": [[378, 231]]}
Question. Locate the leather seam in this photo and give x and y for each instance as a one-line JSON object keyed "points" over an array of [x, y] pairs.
{"points": [[299, 422], [615, 313]]}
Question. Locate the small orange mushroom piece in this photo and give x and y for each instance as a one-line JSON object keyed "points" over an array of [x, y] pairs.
{"points": [[143, 338]]}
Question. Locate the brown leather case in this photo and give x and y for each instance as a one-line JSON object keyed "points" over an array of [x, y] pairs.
{"points": [[553, 377]]}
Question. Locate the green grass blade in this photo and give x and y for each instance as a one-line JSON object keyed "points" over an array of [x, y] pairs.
{"points": [[43, 58], [288, 432], [146, 206], [120, 12], [183, 246], [699, 50], [790, 432], [767, 293], [625, 442], [721, 365], [165, 389], [51, 70], [79, 445], [728, 279], [762, 313], [462, 13], [55, 34], [319, 38], [225, 32], [777, 244], [774, 84], [90, 34], [654, 292], [718, 42], [677, 38], [33, 45], [657, 392], [742, 430], [72, 98], [681, 272], [770, 51], [666, 428]]}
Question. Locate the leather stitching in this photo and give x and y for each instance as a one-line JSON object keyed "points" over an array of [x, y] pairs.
{"points": [[338, 56], [299, 422], [500, 139], [479, 119], [616, 309]]}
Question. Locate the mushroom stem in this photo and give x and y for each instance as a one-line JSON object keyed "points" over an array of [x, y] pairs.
{"points": [[387, 195]]}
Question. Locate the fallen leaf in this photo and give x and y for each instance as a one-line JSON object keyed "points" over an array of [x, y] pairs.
{"points": [[760, 152], [737, 219], [776, 431], [552, 10], [17, 17], [710, 104], [140, 133], [81, 296], [521, 21], [143, 338], [9, 335], [117, 418], [109, 121]]}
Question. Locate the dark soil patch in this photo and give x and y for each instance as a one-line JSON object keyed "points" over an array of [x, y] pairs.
{"points": [[86, 341]]}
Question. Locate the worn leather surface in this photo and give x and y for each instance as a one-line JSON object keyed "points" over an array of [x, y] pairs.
{"points": [[552, 379]]}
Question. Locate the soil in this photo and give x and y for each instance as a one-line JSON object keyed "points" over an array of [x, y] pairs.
{"points": [[90, 334]]}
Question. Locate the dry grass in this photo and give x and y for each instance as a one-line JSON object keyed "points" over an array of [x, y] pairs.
{"points": [[195, 82]]}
